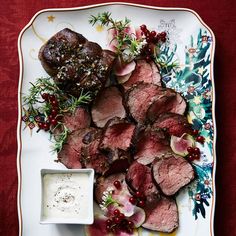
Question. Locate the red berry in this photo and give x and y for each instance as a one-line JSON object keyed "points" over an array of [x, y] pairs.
{"points": [[40, 124], [54, 122], [54, 103], [50, 117], [117, 220], [163, 35], [138, 194], [146, 32], [109, 222], [153, 33], [130, 224], [117, 184], [195, 132], [45, 96], [191, 157], [143, 27], [108, 227], [46, 126], [122, 216], [141, 203], [52, 97], [200, 139], [163, 40], [149, 50], [148, 39], [190, 149], [132, 200], [116, 212], [148, 58], [196, 150], [196, 156], [54, 112]]}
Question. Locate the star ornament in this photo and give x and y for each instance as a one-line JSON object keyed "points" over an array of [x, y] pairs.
{"points": [[51, 18], [197, 100], [201, 70]]}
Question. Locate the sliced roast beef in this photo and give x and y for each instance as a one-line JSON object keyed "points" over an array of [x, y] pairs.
{"points": [[80, 119], [139, 178], [91, 157], [171, 173], [71, 151], [151, 143], [139, 98], [173, 123], [117, 135], [144, 72], [107, 105], [162, 216], [104, 183], [76, 63]]}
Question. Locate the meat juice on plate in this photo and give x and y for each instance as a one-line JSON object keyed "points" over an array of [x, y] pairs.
{"points": [[65, 195]]}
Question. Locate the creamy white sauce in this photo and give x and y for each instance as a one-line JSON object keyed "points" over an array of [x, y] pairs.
{"points": [[65, 195]]}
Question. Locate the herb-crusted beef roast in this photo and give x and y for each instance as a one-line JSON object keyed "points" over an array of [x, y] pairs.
{"points": [[144, 72], [162, 216], [173, 123], [107, 105], [139, 178], [171, 173], [151, 143], [75, 63]]}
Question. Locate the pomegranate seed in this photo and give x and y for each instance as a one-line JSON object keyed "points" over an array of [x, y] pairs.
{"points": [[200, 139], [153, 33], [132, 200], [195, 132], [117, 184], [143, 27], [141, 203], [45, 96], [190, 149], [116, 212]]}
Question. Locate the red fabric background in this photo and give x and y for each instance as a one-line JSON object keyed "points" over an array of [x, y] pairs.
{"points": [[220, 16]]}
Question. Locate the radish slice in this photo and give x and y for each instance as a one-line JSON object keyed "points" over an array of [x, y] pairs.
{"points": [[179, 145], [138, 217], [124, 78], [121, 69]]}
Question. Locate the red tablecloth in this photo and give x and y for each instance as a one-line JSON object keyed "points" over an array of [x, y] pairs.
{"points": [[219, 15]]}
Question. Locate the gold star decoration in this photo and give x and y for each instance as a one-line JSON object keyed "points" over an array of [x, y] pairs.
{"points": [[200, 70], [99, 28], [197, 100], [51, 18]]}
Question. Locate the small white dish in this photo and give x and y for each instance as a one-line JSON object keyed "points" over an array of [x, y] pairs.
{"points": [[67, 196]]}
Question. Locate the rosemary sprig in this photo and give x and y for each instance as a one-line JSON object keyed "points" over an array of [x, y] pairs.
{"points": [[61, 138], [125, 41]]}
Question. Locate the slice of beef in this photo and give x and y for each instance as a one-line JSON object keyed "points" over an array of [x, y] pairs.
{"points": [[166, 101], [139, 98], [171, 173], [162, 216], [144, 72], [173, 123], [139, 178], [107, 105], [80, 119], [71, 151], [76, 63], [91, 156], [117, 135], [104, 183], [151, 143]]}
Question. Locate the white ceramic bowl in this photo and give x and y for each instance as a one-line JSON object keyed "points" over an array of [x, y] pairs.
{"points": [[67, 196]]}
